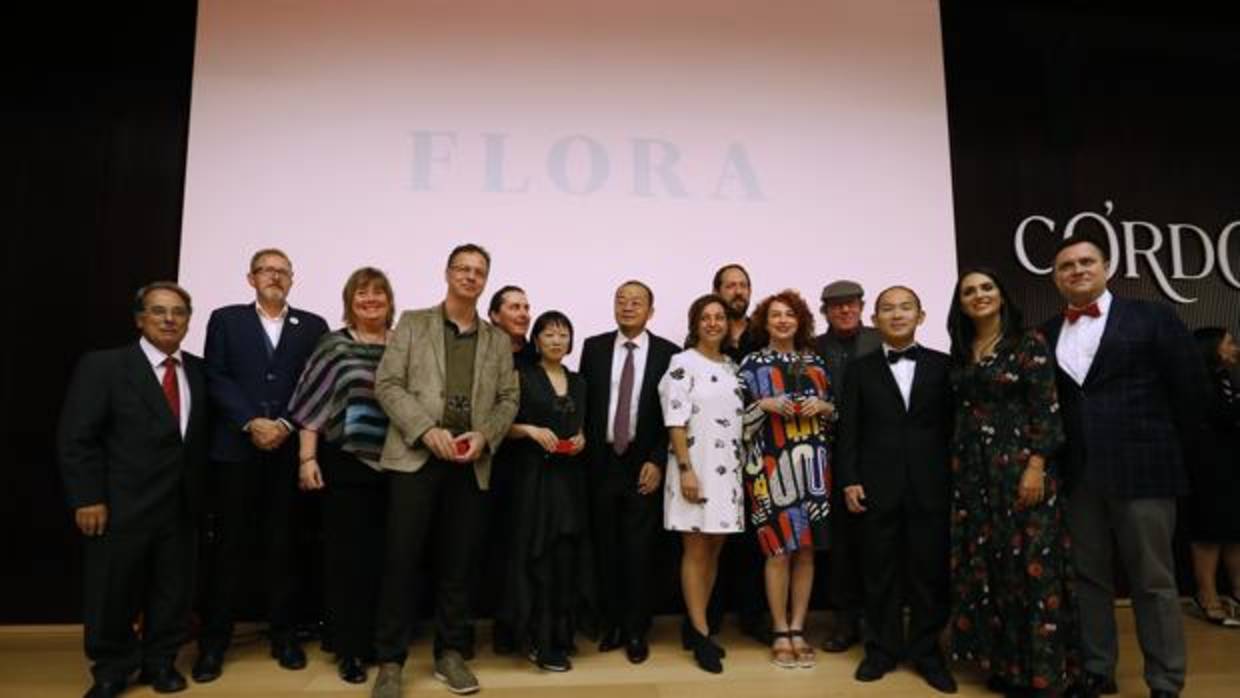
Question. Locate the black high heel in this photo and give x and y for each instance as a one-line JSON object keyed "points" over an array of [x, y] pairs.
{"points": [[688, 633], [705, 652]]}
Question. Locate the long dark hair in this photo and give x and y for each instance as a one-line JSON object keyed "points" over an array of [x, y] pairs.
{"points": [[962, 330]]}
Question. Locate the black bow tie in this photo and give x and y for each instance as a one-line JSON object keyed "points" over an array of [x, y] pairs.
{"points": [[894, 356]]}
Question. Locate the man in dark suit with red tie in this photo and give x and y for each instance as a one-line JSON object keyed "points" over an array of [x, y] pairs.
{"points": [[133, 446], [254, 354], [627, 446], [1129, 384], [896, 427]]}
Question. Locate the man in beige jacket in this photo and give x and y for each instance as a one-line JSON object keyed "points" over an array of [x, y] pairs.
{"points": [[447, 384]]}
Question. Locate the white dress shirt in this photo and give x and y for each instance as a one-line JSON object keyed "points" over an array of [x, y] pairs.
{"points": [[156, 357], [273, 326], [617, 367], [903, 371], [1078, 341]]}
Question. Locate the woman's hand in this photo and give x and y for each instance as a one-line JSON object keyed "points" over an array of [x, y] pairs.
{"points": [[309, 476], [690, 488], [579, 443], [1032, 484], [543, 437], [815, 407], [781, 405]]}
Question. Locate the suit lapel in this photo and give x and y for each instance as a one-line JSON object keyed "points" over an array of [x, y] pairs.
{"points": [[435, 334], [481, 356], [1106, 345], [603, 370], [921, 374], [259, 338], [197, 396], [649, 381], [142, 377], [888, 379]]}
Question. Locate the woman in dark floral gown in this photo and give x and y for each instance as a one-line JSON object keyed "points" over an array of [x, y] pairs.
{"points": [[1012, 605]]}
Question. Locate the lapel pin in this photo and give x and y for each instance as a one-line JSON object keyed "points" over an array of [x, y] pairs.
{"points": [[292, 320]]}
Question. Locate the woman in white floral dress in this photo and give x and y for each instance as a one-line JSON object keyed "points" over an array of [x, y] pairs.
{"points": [[702, 494]]}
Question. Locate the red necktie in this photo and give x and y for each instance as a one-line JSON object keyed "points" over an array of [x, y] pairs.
{"points": [[624, 401], [1074, 314], [172, 389]]}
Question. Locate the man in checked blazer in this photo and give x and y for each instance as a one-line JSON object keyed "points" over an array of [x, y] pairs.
{"points": [[1129, 382], [448, 386]]}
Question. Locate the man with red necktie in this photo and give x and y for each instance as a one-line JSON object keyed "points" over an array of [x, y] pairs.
{"points": [[132, 447], [1129, 383]]}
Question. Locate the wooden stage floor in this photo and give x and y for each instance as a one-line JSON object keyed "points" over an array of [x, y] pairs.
{"points": [[47, 661]]}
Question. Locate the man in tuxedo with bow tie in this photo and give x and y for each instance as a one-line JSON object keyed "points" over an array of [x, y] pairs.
{"points": [[132, 446], [896, 424], [1129, 383], [254, 354]]}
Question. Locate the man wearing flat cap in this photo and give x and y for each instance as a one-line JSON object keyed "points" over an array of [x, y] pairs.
{"points": [[845, 339]]}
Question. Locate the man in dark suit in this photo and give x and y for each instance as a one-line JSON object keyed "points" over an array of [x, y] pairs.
{"points": [[896, 423], [845, 340], [133, 448], [1129, 383], [254, 355], [627, 444]]}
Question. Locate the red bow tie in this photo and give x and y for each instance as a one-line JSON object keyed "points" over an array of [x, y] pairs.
{"points": [[1074, 314]]}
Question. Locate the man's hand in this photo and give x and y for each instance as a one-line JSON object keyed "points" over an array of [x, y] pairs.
{"points": [[439, 441], [266, 434], [854, 497], [649, 478], [92, 520], [473, 449]]}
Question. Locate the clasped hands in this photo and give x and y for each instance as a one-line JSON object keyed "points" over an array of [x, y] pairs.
{"points": [[267, 434], [465, 448], [789, 407]]}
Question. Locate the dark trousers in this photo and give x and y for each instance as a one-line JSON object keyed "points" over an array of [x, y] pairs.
{"points": [[625, 525], [254, 522], [906, 559], [1141, 530], [127, 572], [354, 525], [844, 564], [440, 503]]}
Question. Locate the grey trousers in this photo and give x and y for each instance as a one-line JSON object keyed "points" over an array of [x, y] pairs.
{"points": [[1142, 528]]}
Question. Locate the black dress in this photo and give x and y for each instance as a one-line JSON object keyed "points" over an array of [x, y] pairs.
{"points": [[1214, 466], [549, 594]]}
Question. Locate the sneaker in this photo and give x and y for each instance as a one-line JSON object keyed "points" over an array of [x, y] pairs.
{"points": [[387, 685], [456, 677]]}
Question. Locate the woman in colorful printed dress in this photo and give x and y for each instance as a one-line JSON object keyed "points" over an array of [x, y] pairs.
{"points": [[702, 409], [341, 432], [1012, 605], [789, 425]]}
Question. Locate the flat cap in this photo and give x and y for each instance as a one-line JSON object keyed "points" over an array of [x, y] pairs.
{"points": [[839, 290]]}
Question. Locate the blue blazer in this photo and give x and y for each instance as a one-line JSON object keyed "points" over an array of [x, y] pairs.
{"points": [[245, 379], [1126, 424]]}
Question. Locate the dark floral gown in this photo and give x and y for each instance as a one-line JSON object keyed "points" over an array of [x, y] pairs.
{"points": [[1013, 611]]}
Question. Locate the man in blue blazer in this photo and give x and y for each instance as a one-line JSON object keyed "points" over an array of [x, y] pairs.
{"points": [[254, 355], [132, 447], [1129, 382]]}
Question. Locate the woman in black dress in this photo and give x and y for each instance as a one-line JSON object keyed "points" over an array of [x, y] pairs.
{"points": [[548, 588], [1213, 522]]}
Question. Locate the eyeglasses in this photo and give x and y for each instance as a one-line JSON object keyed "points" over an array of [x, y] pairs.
{"points": [[273, 271], [178, 312]]}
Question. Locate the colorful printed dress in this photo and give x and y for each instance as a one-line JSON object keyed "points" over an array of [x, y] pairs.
{"points": [[787, 461], [1013, 611]]}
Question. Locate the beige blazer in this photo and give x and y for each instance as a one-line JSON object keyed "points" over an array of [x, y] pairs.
{"points": [[409, 385]]}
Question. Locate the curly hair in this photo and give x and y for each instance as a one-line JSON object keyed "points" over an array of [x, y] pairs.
{"points": [[804, 338]]}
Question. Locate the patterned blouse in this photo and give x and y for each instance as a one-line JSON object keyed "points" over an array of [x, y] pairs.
{"points": [[336, 396]]}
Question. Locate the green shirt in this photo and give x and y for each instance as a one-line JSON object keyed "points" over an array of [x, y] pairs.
{"points": [[459, 349]]}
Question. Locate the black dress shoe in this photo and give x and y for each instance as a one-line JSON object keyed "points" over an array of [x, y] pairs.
{"points": [[208, 667], [873, 668], [636, 649], [351, 670], [289, 655], [938, 677], [163, 679], [106, 689], [612, 640], [1099, 685]]}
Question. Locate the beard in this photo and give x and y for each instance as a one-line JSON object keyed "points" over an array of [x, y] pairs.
{"points": [[736, 308]]}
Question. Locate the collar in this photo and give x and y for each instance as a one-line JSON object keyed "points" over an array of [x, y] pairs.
{"points": [[1104, 303], [639, 340], [264, 316], [155, 356], [450, 326]]}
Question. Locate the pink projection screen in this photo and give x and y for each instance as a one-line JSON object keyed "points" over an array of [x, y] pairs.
{"points": [[582, 143]]}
